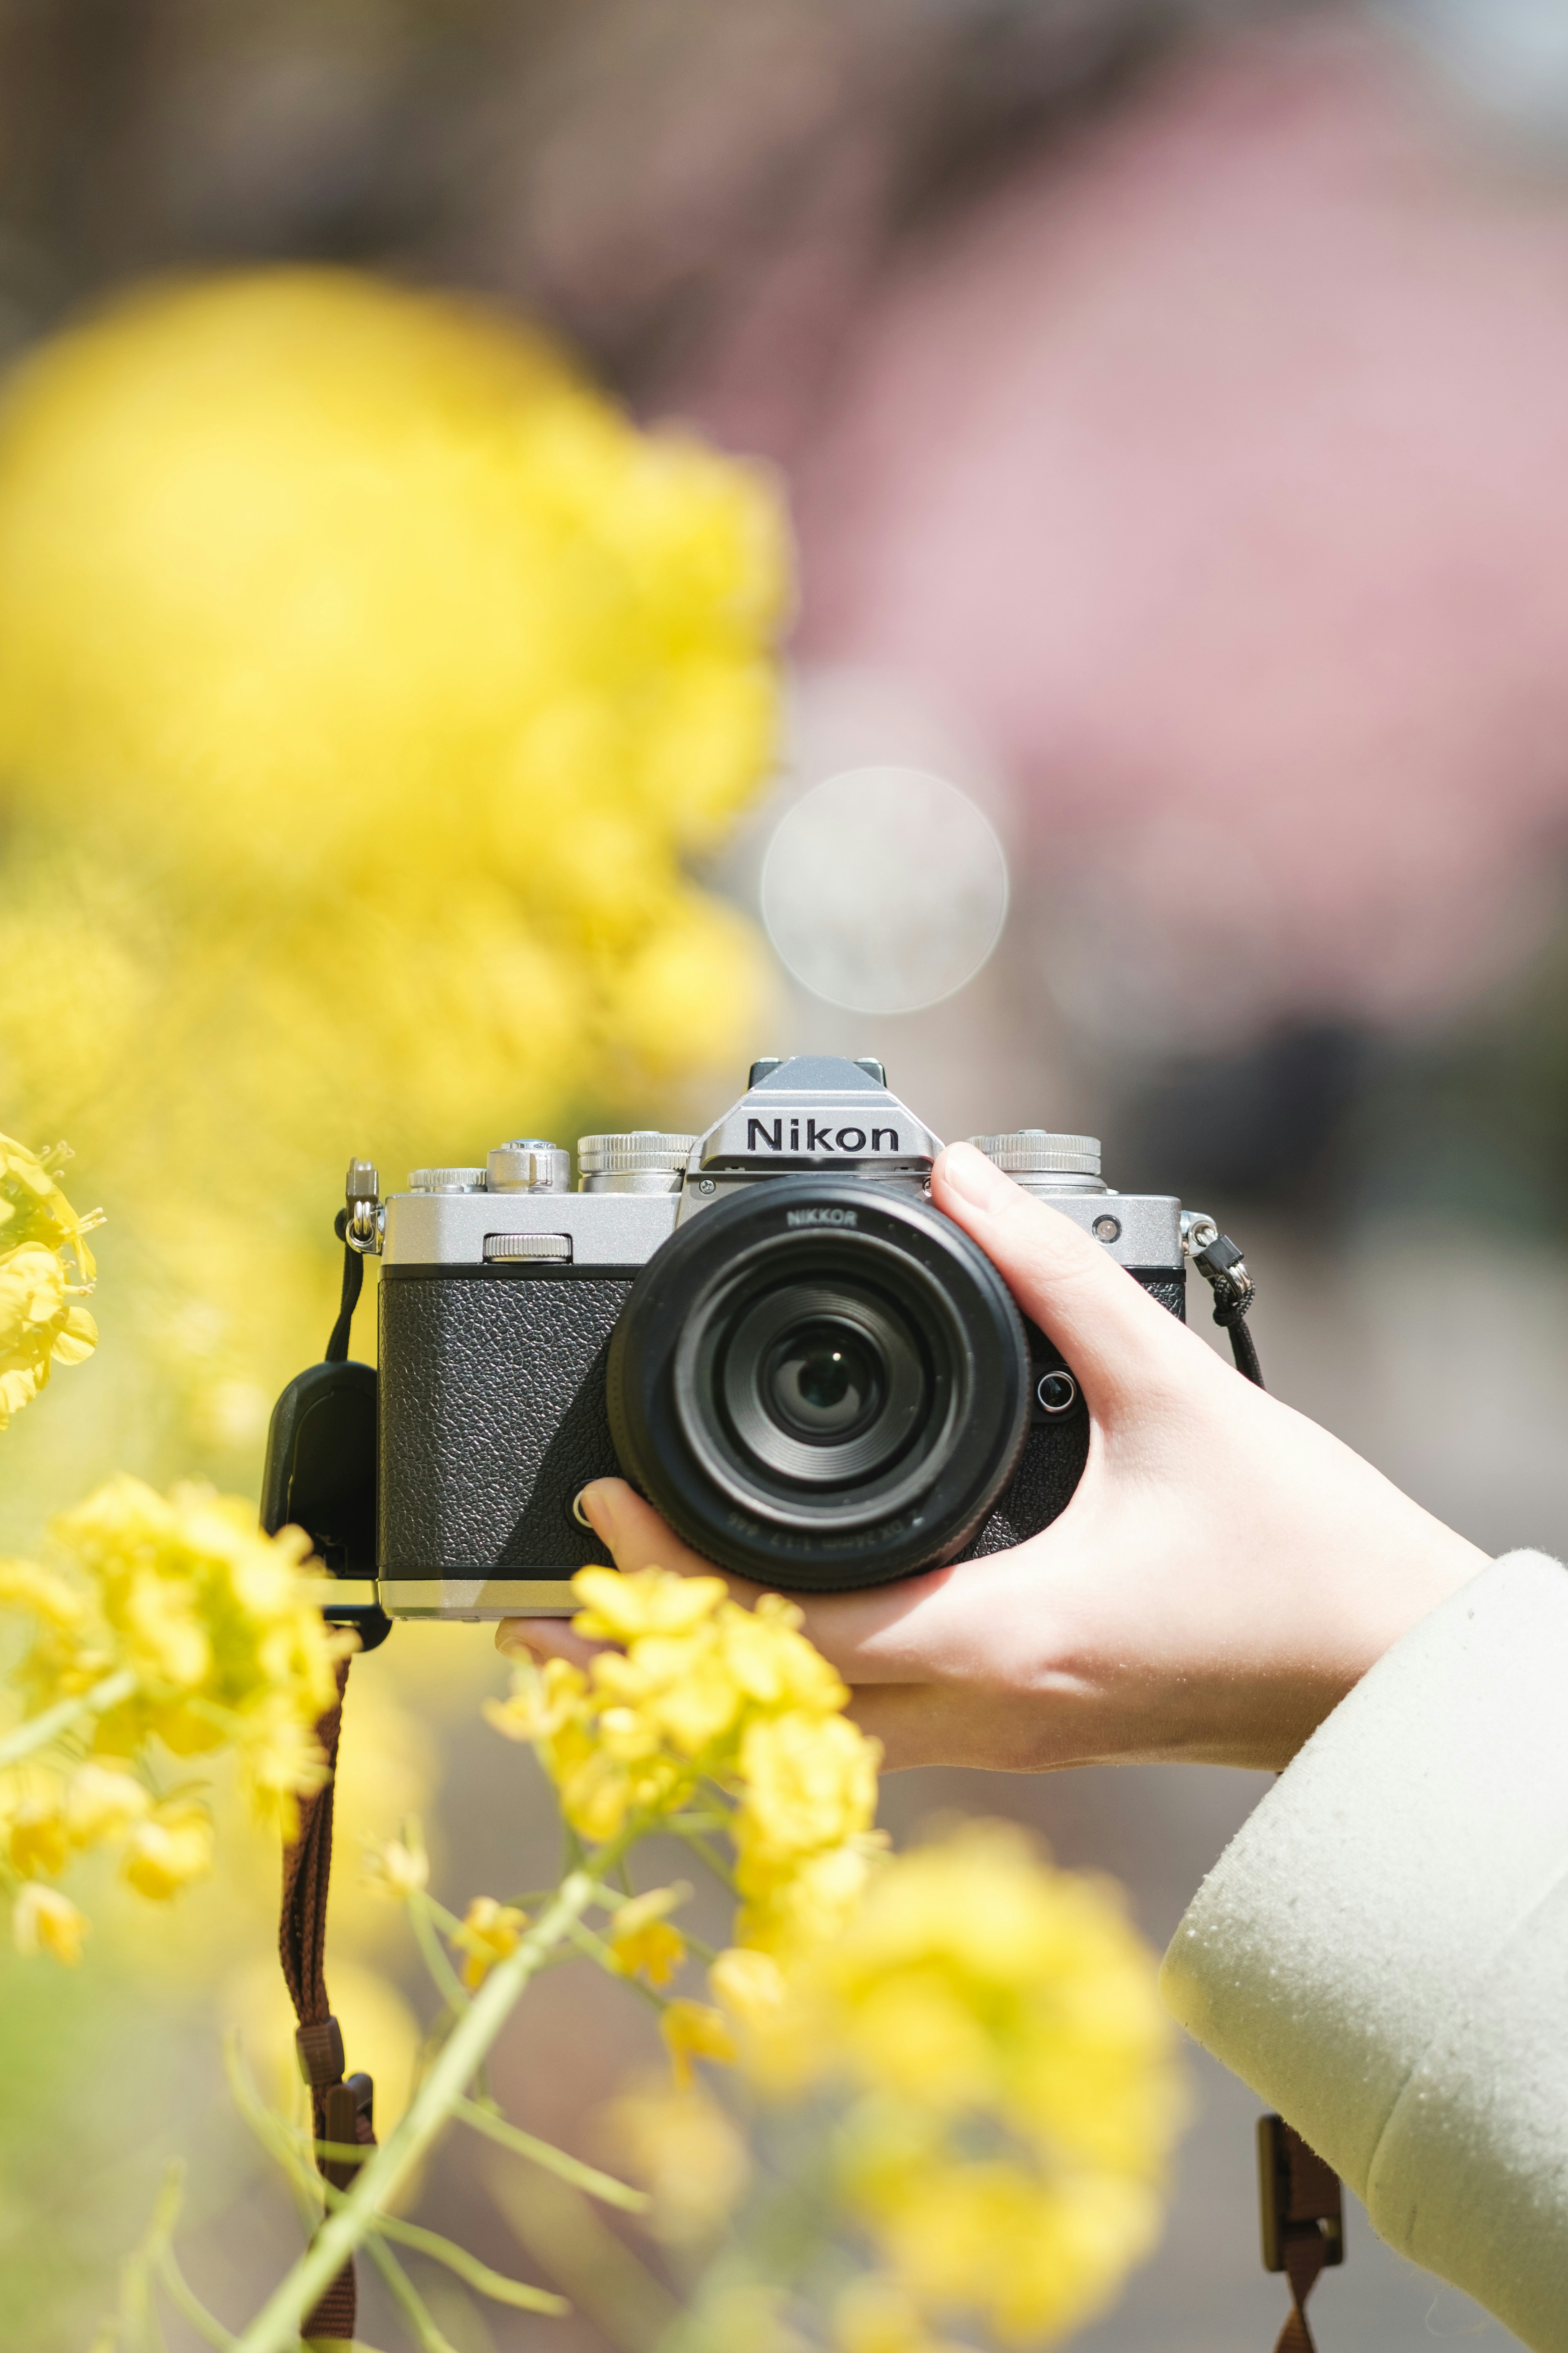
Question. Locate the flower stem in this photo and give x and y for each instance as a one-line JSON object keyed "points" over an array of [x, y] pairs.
{"points": [[507, 2134], [276, 2328], [40, 1730]]}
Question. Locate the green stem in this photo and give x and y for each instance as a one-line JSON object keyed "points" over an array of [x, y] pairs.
{"points": [[185, 2301], [409, 2301], [40, 1730], [276, 2328], [507, 2134], [468, 2268], [700, 1848], [443, 1974]]}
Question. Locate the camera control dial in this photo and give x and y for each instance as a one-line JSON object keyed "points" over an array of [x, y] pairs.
{"points": [[529, 1164], [1044, 1161], [446, 1180], [642, 1160]]}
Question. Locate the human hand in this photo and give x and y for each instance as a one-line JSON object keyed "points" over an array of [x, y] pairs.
{"points": [[1225, 1571]]}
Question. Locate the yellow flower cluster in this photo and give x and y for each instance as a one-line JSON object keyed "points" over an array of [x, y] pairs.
{"points": [[688, 2153], [1012, 2096], [698, 1691], [40, 1322], [211, 1627], [367, 681]]}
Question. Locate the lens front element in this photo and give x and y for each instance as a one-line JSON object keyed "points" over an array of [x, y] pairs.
{"points": [[819, 1382], [822, 1382]]}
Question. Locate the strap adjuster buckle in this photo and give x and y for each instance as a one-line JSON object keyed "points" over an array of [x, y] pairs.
{"points": [[1299, 2197]]}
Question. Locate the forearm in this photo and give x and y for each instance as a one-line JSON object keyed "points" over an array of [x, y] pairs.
{"points": [[1382, 1951]]}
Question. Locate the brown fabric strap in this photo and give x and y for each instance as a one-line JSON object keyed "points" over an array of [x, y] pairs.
{"points": [[1303, 2221], [1304, 2259], [340, 2109]]}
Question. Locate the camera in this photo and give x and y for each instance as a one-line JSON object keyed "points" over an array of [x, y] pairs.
{"points": [[814, 1376]]}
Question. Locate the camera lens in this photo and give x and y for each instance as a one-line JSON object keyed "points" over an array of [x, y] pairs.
{"points": [[820, 1383]]}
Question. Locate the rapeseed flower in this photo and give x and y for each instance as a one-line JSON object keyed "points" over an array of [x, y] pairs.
{"points": [[368, 682], [214, 1620], [698, 1693], [688, 2155], [489, 1932], [641, 1938], [31, 1811], [212, 1629], [170, 1848], [395, 1870], [102, 1801], [43, 1920], [694, 2030], [992, 2028], [41, 1321]]}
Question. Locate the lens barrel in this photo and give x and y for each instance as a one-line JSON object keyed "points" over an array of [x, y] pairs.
{"points": [[820, 1384]]}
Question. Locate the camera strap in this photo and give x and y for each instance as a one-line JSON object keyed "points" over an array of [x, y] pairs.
{"points": [[341, 2106], [1300, 2197], [1222, 1268], [1303, 2221]]}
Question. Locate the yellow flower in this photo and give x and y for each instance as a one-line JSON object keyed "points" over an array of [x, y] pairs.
{"points": [[214, 1619], [170, 1848], [774, 1664], [693, 2030], [809, 1782], [749, 1984], [489, 1932], [40, 1322], [994, 2026], [395, 1870], [44, 1594], [805, 1899], [642, 1939], [541, 1702], [650, 1601], [39, 1325], [31, 1807], [101, 1801], [34, 1209], [681, 1684], [687, 2154], [43, 1919], [343, 627]]}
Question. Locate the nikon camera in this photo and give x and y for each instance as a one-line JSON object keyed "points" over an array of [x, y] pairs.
{"points": [[810, 1372]]}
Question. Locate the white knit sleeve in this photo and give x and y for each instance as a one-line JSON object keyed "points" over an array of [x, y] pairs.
{"points": [[1381, 1952]]}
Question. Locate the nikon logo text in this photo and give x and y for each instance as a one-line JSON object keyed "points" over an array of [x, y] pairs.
{"points": [[813, 1136], [822, 1217]]}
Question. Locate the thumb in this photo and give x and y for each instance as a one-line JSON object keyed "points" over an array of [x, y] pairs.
{"points": [[636, 1535], [1105, 1324], [638, 1538]]}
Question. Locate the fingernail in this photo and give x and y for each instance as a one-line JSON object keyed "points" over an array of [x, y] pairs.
{"points": [[583, 1503], [973, 1178]]}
